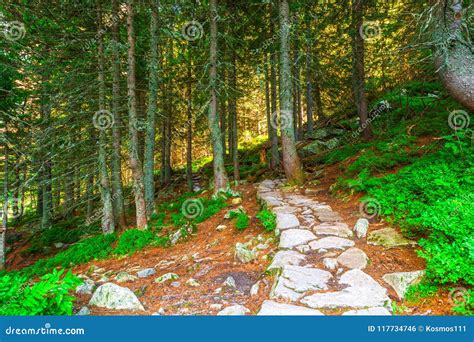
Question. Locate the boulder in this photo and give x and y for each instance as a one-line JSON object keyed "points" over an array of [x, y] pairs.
{"points": [[388, 237], [353, 258], [234, 310], [361, 227], [271, 308], [400, 281], [112, 296]]}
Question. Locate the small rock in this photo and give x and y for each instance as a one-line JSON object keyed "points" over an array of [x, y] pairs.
{"points": [[353, 258], [254, 289], [215, 306], [112, 296], [234, 310], [400, 281], [192, 282], [84, 311], [361, 227], [230, 282], [86, 287], [221, 227], [161, 311], [166, 277], [146, 272], [244, 254], [122, 277], [175, 284], [58, 244], [218, 290], [330, 263], [261, 246], [236, 201]]}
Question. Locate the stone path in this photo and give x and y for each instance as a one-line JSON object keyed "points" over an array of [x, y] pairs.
{"points": [[319, 271]]}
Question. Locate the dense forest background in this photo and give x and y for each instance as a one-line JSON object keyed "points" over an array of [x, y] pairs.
{"points": [[112, 109]]}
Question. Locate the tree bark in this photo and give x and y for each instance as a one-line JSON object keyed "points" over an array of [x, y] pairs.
{"points": [[108, 225], [135, 164], [221, 182], [189, 135], [291, 161], [3, 231], [46, 181], [358, 65], [233, 118], [273, 102], [454, 62], [117, 186], [152, 108]]}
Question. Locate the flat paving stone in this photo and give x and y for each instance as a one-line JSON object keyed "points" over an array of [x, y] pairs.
{"points": [[327, 215], [362, 292], [337, 229], [272, 308], [294, 281], [331, 242], [291, 238], [286, 257], [286, 221], [353, 258]]}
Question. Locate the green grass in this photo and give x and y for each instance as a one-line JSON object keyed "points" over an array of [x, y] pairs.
{"points": [[133, 240], [268, 219]]}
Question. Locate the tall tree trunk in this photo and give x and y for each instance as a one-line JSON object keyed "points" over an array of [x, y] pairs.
{"points": [[117, 187], [189, 135], [291, 161], [358, 73], [46, 184], [299, 125], [3, 231], [152, 107], [108, 225], [220, 175], [233, 118], [223, 114], [273, 101], [455, 65], [268, 110], [135, 164]]}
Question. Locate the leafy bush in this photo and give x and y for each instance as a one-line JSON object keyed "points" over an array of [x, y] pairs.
{"points": [[242, 220], [133, 240], [267, 219], [48, 296], [465, 306], [434, 198]]}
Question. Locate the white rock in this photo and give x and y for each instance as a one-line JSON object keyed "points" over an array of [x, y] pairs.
{"points": [[294, 281], [229, 282], [221, 227], [353, 258], [112, 296], [400, 281], [271, 308], [334, 228], [286, 257], [331, 242], [286, 221], [330, 263], [122, 277], [361, 227], [363, 291], [254, 289], [86, 287], [84, 311], [294, 237], [234, 310], [146, 272], [377, 311], [243, 254]]}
